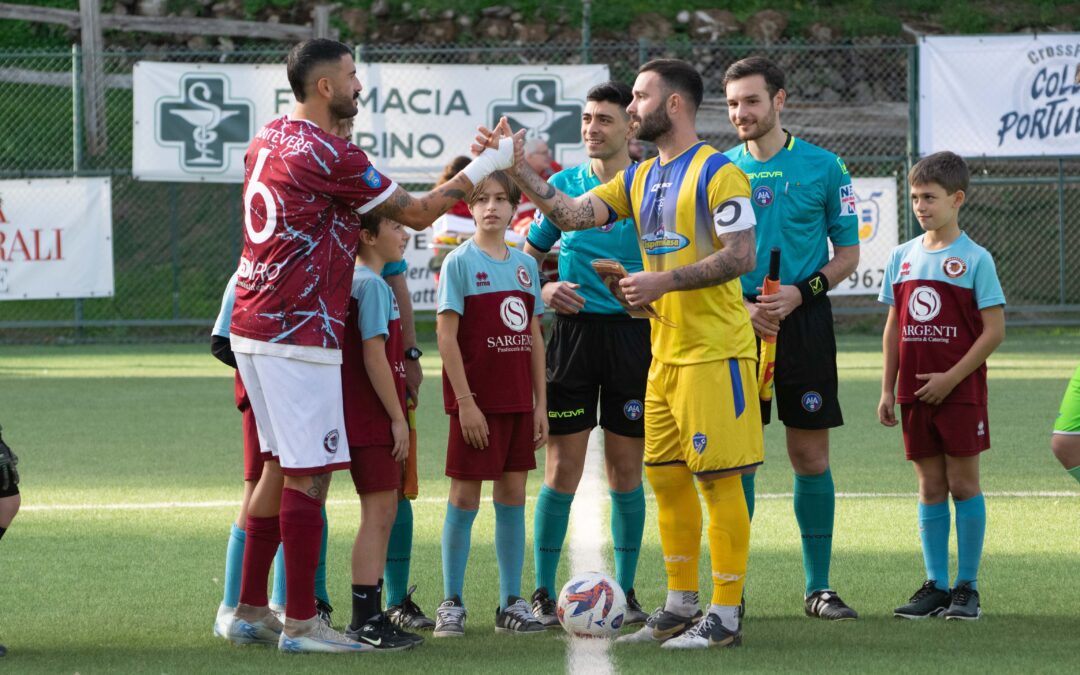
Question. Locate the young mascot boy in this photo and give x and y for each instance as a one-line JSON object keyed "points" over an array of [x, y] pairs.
{"points": [[373, 392], [946, 316], [494, 391]]}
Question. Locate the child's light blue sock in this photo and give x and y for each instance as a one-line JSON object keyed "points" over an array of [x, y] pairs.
{"points": [[934, 526], [970, 532], [509, 549], [234, 564], [456, 542]]}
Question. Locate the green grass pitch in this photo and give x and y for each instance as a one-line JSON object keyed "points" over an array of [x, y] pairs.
{"points": [[90, 585]]}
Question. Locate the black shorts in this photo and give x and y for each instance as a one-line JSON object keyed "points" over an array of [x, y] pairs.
{"points": [[805, 374], [11, 491], [597, 357]]}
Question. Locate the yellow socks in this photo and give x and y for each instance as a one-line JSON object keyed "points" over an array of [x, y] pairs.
{"points": [[729, 537], [680, 523]]}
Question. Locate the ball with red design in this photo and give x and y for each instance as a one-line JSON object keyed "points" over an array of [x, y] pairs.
{"points": [[592, 605]]}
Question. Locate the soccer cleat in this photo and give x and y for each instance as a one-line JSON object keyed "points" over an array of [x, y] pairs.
{"points": [[314, 636], [278, 611], [381, 634], [517, 618], [709, 632], [323, 610], [964, 603], [827, 605], [661, 625], [928, 601], [634, 614], [262, 631], [223, 621], [3, 650], [408, 615], [450, 618], [544, 609]]}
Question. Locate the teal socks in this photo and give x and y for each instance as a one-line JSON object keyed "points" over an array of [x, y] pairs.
{"points": [[970, 532], [278, 596], [456, 542], [234, 563], [815, 505], [934, 525], [549, 531], [748, 492], [399, 554], [627, 526], [1074, 472], [320, 571], [509, 549]]}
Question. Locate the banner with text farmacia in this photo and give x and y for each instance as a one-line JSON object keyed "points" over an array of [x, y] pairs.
{"points": [[1000, 95], [193, 121]]}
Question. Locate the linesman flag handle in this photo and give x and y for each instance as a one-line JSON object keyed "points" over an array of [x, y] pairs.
{"points": [[767, 361]]}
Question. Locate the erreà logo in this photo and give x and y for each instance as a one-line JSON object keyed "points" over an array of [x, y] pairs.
{"points": [[203, 122], [538, 105]]}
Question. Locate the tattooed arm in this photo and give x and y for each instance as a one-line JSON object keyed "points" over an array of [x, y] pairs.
{"points": [[566, 212], [419, 212]]}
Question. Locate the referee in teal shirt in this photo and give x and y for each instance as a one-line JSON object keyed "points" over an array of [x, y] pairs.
{"points": [[803, 198]]}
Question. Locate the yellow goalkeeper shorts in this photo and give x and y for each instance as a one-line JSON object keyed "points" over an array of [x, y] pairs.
{"points": [[704, 415]]}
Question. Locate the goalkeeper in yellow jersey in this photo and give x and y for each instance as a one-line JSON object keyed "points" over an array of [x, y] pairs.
{"points": [[695, 227]]}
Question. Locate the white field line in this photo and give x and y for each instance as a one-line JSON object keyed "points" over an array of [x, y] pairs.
{"points": [[587, 526], [225, 503]]}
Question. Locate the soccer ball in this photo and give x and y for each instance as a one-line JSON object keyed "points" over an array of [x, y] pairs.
{"points": [[592, 605]]}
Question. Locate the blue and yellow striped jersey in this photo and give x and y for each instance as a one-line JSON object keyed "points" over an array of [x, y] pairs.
{"points": [[681, 208]]}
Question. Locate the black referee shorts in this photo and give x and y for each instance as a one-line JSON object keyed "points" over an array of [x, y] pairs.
{"points": [[595, 358], [805, 374]]}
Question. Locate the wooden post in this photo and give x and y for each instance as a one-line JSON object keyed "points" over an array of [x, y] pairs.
{"points": [[93, 44], [320, 22]]}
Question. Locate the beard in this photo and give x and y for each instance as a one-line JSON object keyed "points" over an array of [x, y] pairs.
{"points": [[763, 126], [653, 126], [344, 107]]}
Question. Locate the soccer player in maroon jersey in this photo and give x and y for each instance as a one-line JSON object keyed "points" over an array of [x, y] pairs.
{"points": [[495, 393], [303, 186], [946, 316]]}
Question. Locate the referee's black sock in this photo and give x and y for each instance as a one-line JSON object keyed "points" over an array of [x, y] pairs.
{"points": [[366, 603]]}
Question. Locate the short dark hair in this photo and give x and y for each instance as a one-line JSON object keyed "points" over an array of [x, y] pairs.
{"points": [[756, 65], [612, 91], [305, 56], [678, 75], [370, 221], [947, 169], [513, 192]]}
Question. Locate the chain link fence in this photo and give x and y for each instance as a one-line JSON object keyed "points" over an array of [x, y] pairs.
{"points": [[175, 244]]}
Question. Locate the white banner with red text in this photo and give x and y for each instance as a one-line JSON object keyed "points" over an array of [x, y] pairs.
{"points": [[56, 239]]}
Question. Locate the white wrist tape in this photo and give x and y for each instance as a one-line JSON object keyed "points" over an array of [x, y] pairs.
{"points": [[490, 160]]}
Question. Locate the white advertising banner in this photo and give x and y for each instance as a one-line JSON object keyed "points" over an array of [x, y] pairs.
{"points": [[879, 232], [193, 121], [1000, 95], [56, 238]]}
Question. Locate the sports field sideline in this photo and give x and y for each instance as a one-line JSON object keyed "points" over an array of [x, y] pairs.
{"points": [[130, 457]]}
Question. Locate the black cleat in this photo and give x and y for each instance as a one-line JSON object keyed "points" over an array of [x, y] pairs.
{"points": [[544, 609], [517, 618], [827, 605], [634, 614], [379, 633], [964, 603], [323, 610], [408, 616], [928, 601]]}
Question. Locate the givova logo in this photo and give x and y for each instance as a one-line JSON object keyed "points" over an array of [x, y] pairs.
{"points": [[203, 122], [538, 105]]}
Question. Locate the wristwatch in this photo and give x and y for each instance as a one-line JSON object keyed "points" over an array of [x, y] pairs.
{"points": [[413, 354]]}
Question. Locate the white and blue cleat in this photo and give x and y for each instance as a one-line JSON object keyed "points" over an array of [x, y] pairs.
{"points": [[314, 636]]}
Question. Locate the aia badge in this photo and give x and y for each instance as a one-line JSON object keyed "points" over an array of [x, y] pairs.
{"points": [[954, 267], [633, 410], [763, 196], [523, 277], [482, 279], [905, 269], [330, 441], [700, 441], [811, 401]]}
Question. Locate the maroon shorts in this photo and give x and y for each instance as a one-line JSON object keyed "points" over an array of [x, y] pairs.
{"points": [[253, 455], [953, 429], [510, 448], [373, 469]]}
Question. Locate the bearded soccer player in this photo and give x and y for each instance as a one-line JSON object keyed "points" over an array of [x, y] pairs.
{"points": [[696, 230], [302, 188], [596, 354], [803, 198]]}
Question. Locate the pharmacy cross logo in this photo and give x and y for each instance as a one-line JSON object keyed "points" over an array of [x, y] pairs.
{"points": [[538, 105], [203, 122]]}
